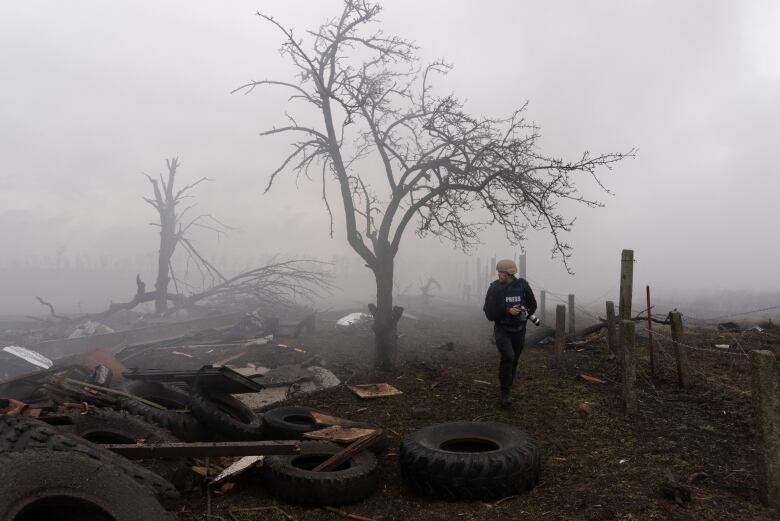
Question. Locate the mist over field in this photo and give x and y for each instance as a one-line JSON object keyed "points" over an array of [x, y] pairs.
{"points": [[97, 94]]}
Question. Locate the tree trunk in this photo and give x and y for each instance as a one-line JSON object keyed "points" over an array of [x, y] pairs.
{"points": [[386, 316], [167, 247]]}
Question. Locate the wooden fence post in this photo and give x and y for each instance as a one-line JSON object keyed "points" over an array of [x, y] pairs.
{"points": [[626, 284], [478, 281], [521, 266], [680, 351], [627, 345], [650, 346], [763, 367], [571, 314], [543, 307], [560, 333], [612, 328]]}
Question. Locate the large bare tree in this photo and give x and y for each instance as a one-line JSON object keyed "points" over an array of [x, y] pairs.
{"points": [[403, 155]]}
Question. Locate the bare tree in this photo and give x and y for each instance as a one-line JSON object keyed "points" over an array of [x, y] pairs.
{"points": [[438, 163], [173, 224]]}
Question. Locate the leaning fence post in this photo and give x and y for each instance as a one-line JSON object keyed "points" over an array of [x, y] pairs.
{"points": [[627, 344], [626, 283], [543, 306], [680, 350], [560, 333], [571, 314], [611, 328], [764, 383]]}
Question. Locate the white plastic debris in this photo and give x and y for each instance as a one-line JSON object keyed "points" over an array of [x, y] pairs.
{"points": [[352, 319], [722, 346], [89, 328], [239, 467], [30, 356], [260, 341]]}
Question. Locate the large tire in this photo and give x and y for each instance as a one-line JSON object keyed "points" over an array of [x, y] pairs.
{"points": [[101, 426], [469, 460], [181, 425], [22, 434], [69, 486], [288, 423], [223, 416], [160, 393], [290, 479]]}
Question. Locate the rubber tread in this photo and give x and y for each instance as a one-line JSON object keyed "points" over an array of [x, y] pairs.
{"points": [[209, 407], [277, 427], [291, 484], [21, 434], [167, 395], [39, 475], [181, 425], [432, 472], [135, 428]]}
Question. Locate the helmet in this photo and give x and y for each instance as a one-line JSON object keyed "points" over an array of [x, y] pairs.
{"points": [[507, 265]]}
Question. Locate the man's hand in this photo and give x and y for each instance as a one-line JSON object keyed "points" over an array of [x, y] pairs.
{"points": [[514, 311]]}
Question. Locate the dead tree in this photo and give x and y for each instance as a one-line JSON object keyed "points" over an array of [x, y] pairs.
{"points": [[437, 163], [174, 226]]}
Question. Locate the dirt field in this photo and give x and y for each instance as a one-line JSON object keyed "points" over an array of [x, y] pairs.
{"points": [[597, 465]]}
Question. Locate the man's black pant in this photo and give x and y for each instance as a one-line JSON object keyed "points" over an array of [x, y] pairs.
{"points": [[510, 344]]}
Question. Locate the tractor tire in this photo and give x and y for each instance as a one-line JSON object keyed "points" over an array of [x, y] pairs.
{"points": [[160, 393], [469, 460], [19, 434], [288, 423], [39, 485], [181, 425], [223, 416], [290, 479], [102, 426]]}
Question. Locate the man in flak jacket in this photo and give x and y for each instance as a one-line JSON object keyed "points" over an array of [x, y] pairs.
{"points": [[508, 303]]}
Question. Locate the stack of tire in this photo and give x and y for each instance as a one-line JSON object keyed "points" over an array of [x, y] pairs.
{"points": [[291, 479], [44, 472], [215, 414]]}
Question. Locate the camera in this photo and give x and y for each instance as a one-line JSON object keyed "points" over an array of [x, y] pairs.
{"points": [[532, 318]]}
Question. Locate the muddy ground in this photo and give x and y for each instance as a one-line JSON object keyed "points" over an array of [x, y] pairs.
{"points": [[597, 463]]}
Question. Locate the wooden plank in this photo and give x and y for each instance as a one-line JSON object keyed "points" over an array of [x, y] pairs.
{"points": [[338, 434], [115, 342], [347, 452], [374, 390], [204, 449]]}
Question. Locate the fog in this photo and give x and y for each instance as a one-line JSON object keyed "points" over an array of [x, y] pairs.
{"points": [[95, 94]]}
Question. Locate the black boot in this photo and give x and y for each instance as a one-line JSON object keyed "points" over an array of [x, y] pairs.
{"points": [[506, 398]]}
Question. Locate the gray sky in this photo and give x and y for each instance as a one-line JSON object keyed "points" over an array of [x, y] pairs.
{"points": [[96, 93]]}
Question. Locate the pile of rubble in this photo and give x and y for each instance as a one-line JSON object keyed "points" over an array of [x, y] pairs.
{"points": [[95, 439]]}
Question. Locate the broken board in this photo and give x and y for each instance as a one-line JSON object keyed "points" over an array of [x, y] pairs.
{"points": [[338, 434], [374, 390]]}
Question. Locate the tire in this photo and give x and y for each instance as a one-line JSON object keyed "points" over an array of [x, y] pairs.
{"points": [[223, 416], [181, 425], [70, 486], [23, 434], [166, 395], [291, 423], [469, 460], [288, 423], [287, 477], [101, 426]]}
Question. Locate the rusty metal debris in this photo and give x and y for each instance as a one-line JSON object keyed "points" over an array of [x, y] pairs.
{"points": [[204, 449]]}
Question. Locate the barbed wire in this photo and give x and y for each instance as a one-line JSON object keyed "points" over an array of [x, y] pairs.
{"points": [[657, 333]]}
